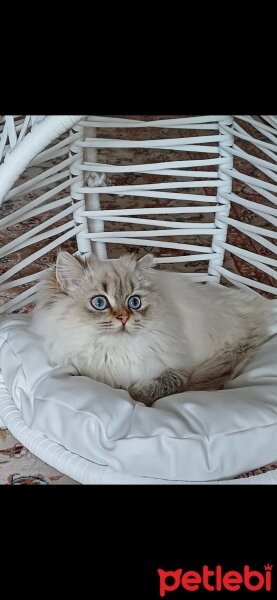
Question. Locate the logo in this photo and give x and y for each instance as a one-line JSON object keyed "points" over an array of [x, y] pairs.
{"points": [[215, 580]]}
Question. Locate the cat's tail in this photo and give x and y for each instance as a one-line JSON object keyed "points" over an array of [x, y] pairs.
{"points": [[216, 372]]}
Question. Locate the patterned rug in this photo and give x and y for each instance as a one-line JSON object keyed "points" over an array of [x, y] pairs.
{"points": [[17, 465]]}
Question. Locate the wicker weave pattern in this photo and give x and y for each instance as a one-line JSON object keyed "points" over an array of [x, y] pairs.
{"points": [[60, 160]]}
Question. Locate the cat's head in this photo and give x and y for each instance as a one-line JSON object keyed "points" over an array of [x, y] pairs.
{"points": [[118, 296]]}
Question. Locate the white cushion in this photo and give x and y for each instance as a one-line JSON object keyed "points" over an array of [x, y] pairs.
{"points": [[194, 436]]}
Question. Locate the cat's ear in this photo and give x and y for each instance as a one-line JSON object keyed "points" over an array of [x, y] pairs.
{"points": [[68, 271], [147, 261]]}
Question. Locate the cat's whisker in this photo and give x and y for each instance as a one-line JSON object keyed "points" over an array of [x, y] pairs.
{"points": [[166, 332]]}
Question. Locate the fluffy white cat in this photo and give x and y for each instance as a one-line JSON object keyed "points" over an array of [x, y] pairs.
{"points": [[150, 332]]}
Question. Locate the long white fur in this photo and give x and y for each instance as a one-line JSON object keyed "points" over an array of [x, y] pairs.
{"points": [[185, 323]]}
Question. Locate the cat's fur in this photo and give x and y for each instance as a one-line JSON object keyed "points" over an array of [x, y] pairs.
{"points": [[184, 336]]}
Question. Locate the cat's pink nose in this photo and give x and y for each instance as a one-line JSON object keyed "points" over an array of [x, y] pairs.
{"points": [[123, 319]]}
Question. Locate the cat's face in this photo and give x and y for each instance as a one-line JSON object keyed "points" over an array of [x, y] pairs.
{"points": [[117, 296]]}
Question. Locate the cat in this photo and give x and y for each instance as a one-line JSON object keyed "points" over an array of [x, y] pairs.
{"points": [[125, 324]]}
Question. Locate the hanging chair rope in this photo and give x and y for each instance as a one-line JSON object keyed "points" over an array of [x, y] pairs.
{"points": [[20, 156]]}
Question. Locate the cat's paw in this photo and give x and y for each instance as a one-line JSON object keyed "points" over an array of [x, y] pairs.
{"points": [[141, 394]]}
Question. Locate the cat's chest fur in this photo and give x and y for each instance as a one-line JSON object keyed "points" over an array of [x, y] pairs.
{"points": [[121, 362]]}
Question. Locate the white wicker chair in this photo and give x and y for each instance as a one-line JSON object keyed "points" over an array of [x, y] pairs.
{"points": [[47, 161]]}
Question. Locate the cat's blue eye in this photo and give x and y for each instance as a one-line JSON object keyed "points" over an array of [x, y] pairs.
{"points": [[99, 302], [134, 302]]}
